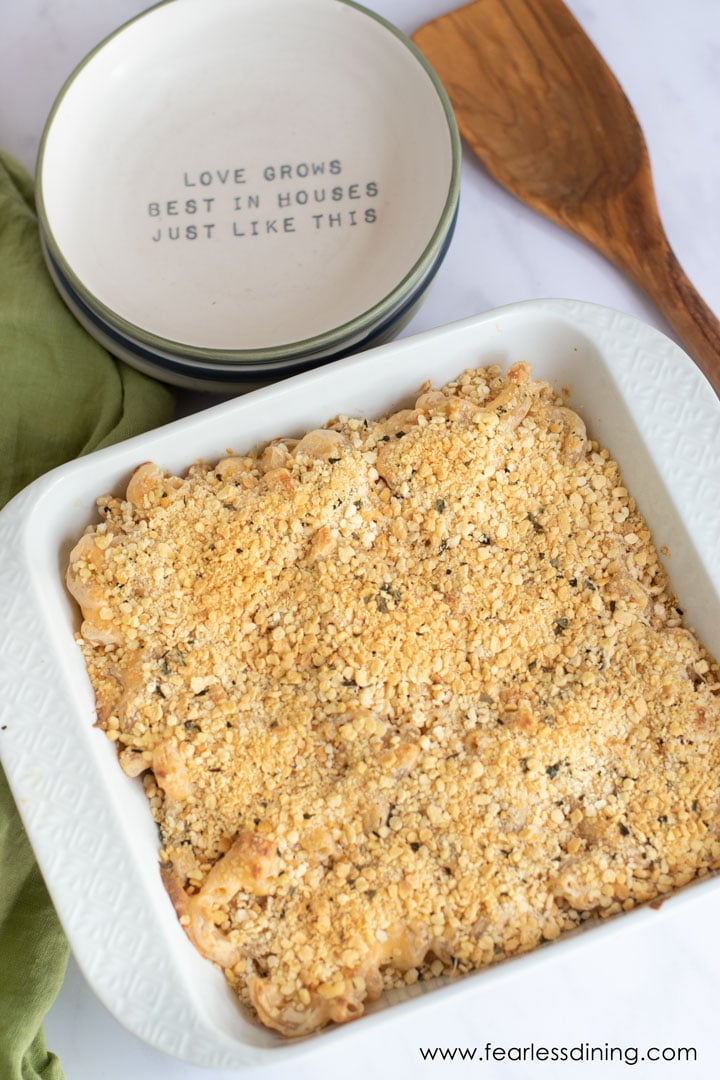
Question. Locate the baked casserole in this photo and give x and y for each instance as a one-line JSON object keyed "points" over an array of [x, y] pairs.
{"points": [[407, 696]]}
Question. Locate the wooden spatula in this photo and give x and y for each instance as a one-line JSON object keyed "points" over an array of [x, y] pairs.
{"points": [[544, 113]]}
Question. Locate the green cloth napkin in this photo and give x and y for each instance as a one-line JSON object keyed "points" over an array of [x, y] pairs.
{"points": [[61, 395]]}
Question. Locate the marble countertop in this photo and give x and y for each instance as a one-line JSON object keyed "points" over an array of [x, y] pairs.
{"points": [[656, 984]]}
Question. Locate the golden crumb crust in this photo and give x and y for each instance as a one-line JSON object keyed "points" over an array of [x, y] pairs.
{"points": [[407, 696]]}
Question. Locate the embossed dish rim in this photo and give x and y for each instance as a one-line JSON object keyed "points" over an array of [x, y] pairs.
{"points": [[95, 842]]}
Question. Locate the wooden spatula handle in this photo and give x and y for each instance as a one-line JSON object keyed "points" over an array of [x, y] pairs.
{"points": [[666, 283], [628, 229]]}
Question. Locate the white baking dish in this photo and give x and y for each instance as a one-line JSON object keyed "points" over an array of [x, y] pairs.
{"points": [[95, 841]]}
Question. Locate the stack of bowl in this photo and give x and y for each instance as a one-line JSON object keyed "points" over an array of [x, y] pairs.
{"points": [[234, 190]]}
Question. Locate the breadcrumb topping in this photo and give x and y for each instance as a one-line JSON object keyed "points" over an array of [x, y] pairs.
{"points": [[407, 696]]}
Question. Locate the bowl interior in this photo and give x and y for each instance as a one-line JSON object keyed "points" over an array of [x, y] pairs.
{"points": [[244, 175]]}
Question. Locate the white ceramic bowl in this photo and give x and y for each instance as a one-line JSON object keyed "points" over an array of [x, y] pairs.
{"points": [[90, 825], [220, 375], [235, 187]]}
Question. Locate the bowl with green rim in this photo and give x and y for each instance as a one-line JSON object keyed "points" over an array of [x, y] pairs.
{"points": [[236, 189]]}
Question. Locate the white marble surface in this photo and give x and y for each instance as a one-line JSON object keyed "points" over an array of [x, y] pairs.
{"points": [[658, 985]]}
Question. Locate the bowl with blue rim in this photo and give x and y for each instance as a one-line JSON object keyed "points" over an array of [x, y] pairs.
{"points": [[234, 190]]}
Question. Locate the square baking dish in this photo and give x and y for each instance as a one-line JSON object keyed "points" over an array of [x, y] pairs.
{"points": [[89, 824]]}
